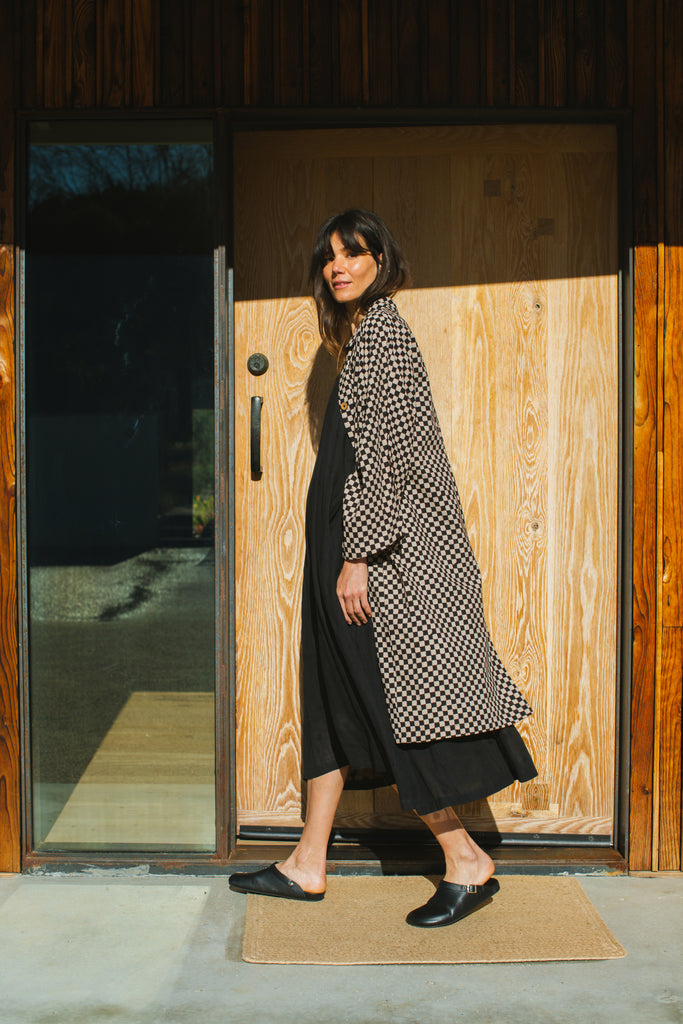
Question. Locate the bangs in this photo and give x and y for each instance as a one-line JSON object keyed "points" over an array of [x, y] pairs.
{"points": [[349, 240], [350, 232]]}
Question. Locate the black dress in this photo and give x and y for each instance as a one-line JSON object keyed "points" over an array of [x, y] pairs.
{"points": [[345, 718]]}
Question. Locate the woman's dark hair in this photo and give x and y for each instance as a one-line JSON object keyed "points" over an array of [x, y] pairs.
{"points": [[360, 231]]}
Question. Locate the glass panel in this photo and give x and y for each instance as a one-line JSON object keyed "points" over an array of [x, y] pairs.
{"points": [[120, 488]]}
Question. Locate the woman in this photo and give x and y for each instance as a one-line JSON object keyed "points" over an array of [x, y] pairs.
{"points": [[401, 683]]}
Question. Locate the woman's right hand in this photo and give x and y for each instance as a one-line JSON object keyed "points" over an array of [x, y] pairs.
{"points": [[352, 591]]}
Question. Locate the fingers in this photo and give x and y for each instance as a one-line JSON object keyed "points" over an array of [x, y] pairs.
{"points": [[356, 608], [365, 605], [352, 593]]}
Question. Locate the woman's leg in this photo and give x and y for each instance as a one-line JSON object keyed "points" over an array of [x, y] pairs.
{"points": [[466, 866], [466, 863], [306, 864]]}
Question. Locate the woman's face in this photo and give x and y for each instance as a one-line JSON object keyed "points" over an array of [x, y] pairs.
{"points": [[348, 274]]}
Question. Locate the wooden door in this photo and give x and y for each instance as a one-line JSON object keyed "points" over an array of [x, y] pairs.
{"points": [[512, 236]]}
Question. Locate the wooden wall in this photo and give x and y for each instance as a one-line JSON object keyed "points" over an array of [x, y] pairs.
{"points": [[669, 670], [578, 55]]}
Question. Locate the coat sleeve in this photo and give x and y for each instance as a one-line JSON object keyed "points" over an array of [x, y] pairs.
{"points": [[384, 429]]}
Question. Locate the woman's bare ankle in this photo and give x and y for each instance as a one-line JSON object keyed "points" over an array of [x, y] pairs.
{"points": [[469, 866], [305, 870]]}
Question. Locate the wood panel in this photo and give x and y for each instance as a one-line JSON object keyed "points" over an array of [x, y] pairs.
{"points": [[407, 91], [321, 58], [672, 440], [667, 852], [645, 99], [670, 697], [28, 39], [585, 52], [521, 378], [467, 78], [10, 827], [500, 329], [172, 54], [526, 41], [289, 59], [10, 768], [113, 60], [269, 538], [350, 42], [553, 60], [583, 307], [57, 40], [644, 555], [9, 98], [411, 194], [258, 53], [496, 52], [230, 54], [437, 33], [144, 53], [614, 64], [531, 423], [83, 53]]}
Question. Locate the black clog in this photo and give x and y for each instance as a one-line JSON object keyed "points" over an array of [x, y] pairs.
{"points": [[271, 882], [451, 902]]}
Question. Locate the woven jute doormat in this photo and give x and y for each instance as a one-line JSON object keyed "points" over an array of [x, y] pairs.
{"points": [[362, 921]]}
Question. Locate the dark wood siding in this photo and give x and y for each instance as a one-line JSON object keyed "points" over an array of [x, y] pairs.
{"points": [[138, 53], [504, 54]]}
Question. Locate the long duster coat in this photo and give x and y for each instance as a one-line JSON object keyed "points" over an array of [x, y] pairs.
{"points": [[441, 675]]}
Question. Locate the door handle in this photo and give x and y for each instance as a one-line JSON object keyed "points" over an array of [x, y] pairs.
{"points": [[256, 468]]}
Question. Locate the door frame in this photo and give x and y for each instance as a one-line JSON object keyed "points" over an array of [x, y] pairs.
{"points": [[230, 852]]}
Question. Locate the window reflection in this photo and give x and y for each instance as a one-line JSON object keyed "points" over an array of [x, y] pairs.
{"points": [[120, 504]]}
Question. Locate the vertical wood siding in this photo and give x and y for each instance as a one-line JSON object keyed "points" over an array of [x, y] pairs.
{"points": [[667, 853], [140, 53], [515, 54]]}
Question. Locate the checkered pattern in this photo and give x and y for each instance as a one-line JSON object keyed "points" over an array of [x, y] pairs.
{"points": [[442, 677]]}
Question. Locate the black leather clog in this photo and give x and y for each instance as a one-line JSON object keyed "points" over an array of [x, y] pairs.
{"points": [[271, 882], [451, 902]]}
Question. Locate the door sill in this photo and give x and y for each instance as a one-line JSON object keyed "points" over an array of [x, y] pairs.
{"points": [[356, 859]]}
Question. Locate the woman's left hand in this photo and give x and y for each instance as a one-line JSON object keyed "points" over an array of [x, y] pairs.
{"points": [[352, 591]]}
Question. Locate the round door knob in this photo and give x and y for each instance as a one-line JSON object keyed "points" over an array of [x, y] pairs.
{"points": [[257, 364]]}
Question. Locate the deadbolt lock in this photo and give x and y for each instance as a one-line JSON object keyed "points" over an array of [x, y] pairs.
{"points": [[257, 364]]}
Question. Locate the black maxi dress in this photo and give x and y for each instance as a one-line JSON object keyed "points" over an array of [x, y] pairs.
{"points": [[345, 718]]}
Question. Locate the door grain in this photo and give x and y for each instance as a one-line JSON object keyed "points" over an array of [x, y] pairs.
{"points": [[512, 235]]}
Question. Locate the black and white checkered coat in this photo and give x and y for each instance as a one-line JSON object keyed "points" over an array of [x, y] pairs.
{"points": [[442, 677]]}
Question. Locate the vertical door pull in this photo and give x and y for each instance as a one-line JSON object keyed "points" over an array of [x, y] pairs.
{"points": [[256, 405]]}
